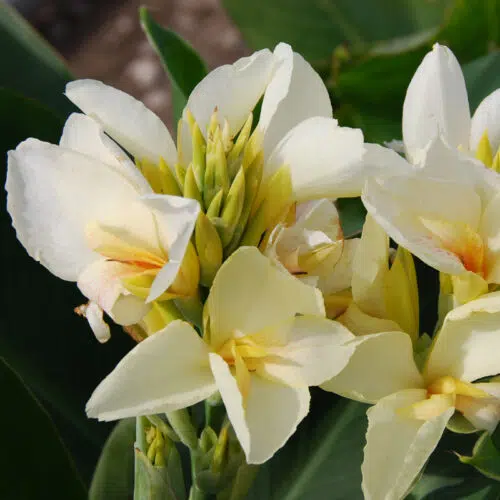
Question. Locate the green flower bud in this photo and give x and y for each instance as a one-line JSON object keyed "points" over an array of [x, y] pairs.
{"points": [[209, 248]]}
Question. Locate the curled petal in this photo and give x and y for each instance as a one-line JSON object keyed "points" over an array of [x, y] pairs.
{"points": [[487, 119]]}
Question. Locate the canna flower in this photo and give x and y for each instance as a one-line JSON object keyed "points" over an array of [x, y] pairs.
{"points": [[436, 103], [266, 340], [85, 212], [412, 408], [451, 225], [313, 249]]}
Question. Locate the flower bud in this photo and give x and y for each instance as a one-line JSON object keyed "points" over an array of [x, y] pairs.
{"points": [[209, 248]]}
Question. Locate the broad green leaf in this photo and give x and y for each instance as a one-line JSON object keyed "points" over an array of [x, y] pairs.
{"points": [[316, 27], [324, 455], [485, 457], [35, 462], [352, 215], [482, 77], [41, 337], [114, 474], [29, 64], [184, 66]]}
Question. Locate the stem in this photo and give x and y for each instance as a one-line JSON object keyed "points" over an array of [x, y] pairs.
{"points": [[194, 493]]}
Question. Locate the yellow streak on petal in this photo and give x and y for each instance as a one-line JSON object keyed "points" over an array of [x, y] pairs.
{"points": [[483, 151], [429, 408], [242, 373]]}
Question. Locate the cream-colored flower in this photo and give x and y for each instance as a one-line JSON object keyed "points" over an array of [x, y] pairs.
{"points": [[411, 408], [87, 214], [266, 341], [436, 103]]}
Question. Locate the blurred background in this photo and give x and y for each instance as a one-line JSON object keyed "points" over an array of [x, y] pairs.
{"points": [[102, 39]]}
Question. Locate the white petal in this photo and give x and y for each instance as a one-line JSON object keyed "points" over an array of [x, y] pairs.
{"points": [[490, 231], [136, 128], [382, 364], [324, 159], [176, 218], [250, 294], [436, 103], [167, 371], [397, 447], [83, 134], [468, 344], [396, 204], [482, 413], [52, 194], [315, 351], [101, 283], [234, 89], [295, 93], [370, 268], [487, 119], [269, 416], [360, 323], [94, 315]]}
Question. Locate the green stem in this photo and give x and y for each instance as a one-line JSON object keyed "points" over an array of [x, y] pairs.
{"points": [[195, 493]]}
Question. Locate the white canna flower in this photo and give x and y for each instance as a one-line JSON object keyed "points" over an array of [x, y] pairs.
{"points": [[412, 408], [295, 128], [451, 225], [313, 249], [266, 341], [87, 214], [436, 103]]}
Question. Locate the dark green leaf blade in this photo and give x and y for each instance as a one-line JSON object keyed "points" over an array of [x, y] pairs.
{"points": [[184, 66], [35, 461], [485, 457], [482, 77]]}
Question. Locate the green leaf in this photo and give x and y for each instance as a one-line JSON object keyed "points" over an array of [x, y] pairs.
{"points": [[352, 215], [41, 337], [184, 66], [482, 77], [485, 457], [323, 456], [316, 27], [34, 459], [114, 474], [29, 64]]}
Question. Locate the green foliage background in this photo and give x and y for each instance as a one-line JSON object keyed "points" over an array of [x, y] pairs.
{"points": [[367, 52]]}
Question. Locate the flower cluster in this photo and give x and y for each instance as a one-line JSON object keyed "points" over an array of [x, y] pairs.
{"points": [[223, 255]]}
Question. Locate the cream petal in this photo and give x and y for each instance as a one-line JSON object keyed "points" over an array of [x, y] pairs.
{"points": [[136, 128], [487, 119], [490, 231], [468, 344], [264, 296], [94, 314], [436, 103], [315, 351], [482, 413], [381, 364], [52, 194], [84, 135], [165, 372], [360, 323], [232, 89], [269, 415], [295, 93], [397, 447], [396, 204], [101, 283], [176, 218], [324, 159]]}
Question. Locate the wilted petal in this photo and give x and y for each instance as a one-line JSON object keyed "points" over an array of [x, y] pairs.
{"points": [[125, 119], [295, 93], [94, 314], [101, 283], [396, 204], [52, 194], [324, 159], [487, 119], [269, 415], [468, 344], [84, 135], [381, 364], [436, 103], [397, 446], [167, 371], [232, 89], [250, 294], [315, 351]]}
